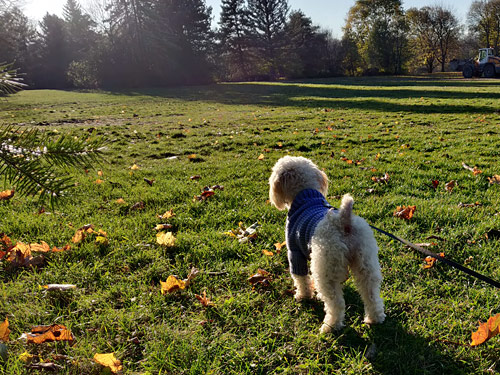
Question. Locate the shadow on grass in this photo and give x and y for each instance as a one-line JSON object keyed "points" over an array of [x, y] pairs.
{"points": [[389, 347], [375, 94]]}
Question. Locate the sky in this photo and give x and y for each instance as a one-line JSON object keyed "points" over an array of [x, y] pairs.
{"points": [[329, 14]]}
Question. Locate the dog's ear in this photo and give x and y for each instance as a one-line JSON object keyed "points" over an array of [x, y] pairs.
{"points": [[323, 183], [276, 192]]}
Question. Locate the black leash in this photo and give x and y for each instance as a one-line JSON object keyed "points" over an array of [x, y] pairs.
{"points": [[442, 259]]}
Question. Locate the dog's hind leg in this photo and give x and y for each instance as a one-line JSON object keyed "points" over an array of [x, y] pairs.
{"points": [[367, 277]]}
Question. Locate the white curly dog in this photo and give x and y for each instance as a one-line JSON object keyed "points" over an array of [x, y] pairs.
{"points": [[334, 240]]}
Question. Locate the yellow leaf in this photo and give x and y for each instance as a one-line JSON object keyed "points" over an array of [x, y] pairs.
{"points": [[134, 167], [166, 239], [26, 357], [495, 179], [120, 201], [267, 253], [167, 215], [261, 157], [109, 360], [172, 284], [4, 331], [41, 248]]}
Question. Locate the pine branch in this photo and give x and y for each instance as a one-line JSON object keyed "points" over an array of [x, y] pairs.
{"points": [[10, 82], [31, 161]]}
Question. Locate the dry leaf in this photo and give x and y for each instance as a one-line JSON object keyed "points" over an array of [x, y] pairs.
{"points": [[430, 261], [120, 201], [244, 234], [149, 182], [163, 226], [166, 239], [204, 300], [41, 248], [195, 177], [6, 195], [59, 249], [474, 170], [262, 277], [261, 157], [450, 185], [267, 253], [54, 332], [135, 167], [109, 360], [486, 330], [405, 212], [495, 179], [191, 157], [279, 245], [384, 179], [172, 284], [167, 215], [137, 206], [4, 330]]}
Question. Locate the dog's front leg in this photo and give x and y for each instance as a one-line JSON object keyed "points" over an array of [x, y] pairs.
{"points": [[303, 287]]}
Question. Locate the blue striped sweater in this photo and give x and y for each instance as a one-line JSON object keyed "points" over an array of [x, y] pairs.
{"points": [[308, 208]]}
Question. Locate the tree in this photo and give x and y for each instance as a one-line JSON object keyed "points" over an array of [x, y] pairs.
{"points": [[233, 36], [484, 19], [378, 29], [268, 21], [447, 32], [307, 47]]}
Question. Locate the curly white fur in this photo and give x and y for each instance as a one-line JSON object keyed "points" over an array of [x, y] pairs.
{"points": [[341, 241]]}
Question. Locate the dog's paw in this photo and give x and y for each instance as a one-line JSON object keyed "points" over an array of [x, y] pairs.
{"points": [[302, 296], [375, 319], [327, 328]]}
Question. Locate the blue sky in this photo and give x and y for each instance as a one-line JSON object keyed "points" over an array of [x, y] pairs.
{"points": [[329, 14]]}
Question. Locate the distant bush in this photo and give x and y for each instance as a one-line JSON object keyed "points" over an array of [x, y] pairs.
{"points": [[82, 74]]}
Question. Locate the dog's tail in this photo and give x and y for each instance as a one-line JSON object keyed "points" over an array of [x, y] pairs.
{"points": [[345, 213]]}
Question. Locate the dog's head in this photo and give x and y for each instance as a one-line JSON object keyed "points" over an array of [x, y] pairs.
{"points": [[291, 175]]}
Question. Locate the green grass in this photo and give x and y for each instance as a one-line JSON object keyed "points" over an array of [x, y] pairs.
{"points": [[415, 129]]}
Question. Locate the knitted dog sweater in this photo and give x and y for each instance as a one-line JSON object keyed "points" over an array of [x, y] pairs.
{"points": [[308, 208]]}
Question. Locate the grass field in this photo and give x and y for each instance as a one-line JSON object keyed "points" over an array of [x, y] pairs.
{"points": [[417, 129]]}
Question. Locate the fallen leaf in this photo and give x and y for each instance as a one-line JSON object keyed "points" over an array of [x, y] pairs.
{"points": [[6, 195], [192, 157], [172, 284], [430, 261], [135, 167], [449, 186], [59, 249], [120, 201], [261, 157], [50, 366], [98, 181], [163, 226], [195, 177], [109, 360], [4, 330], [204, 300], [474, 170], [137, 206], [262, 277], [244, 234], [166, 239], [384, 179], [486, 330], [405, 212], [100, 173], [149, 182], [279, 245], [167, 215], [267, 253], [41, 248], [495, 179], [54, 332]]}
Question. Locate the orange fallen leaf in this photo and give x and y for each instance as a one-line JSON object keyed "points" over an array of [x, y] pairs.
{"points": [[6, 194], [267, 253], [4, 330], [120, 201], [98, 181], [405, 212], [279, 245], [204, 300], [59, 249], [109, 360], [261, 157], [486, 330], [54, 332], [431, 261]]}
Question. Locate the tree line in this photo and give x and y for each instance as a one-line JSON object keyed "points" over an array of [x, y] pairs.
{"points": [[137, 43]]}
